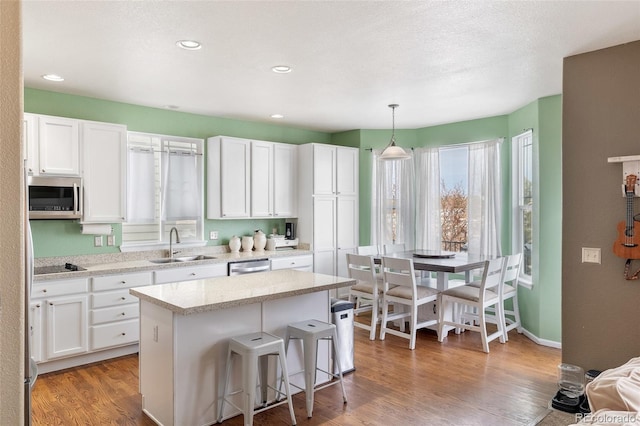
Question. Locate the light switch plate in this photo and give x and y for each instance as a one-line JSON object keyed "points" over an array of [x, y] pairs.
{"points": [[97, 241], [590, 255], [111, 240]]}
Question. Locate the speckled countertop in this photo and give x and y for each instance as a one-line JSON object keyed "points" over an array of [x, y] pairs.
{"points": [[192, 297], [141, 261]]}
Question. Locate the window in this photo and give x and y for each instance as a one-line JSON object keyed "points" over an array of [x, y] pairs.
{"points": [[164, 190], [454, 178], [522, 148]]}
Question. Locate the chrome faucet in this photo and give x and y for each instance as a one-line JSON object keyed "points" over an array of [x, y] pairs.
{"points": [[171, 252]]}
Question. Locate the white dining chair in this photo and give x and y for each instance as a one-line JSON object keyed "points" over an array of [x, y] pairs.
{"points": [[365, 294], [368, 250], [471, 302], [394, 248], [406, 294], [511, 317]]}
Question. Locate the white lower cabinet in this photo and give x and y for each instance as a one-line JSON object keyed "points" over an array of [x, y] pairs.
{"points": [[300, 263], [114, 312], [58, 320], [190, 273]]}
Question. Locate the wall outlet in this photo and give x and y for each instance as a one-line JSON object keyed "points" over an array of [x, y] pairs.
{"points": [[213, 235], [111, 240], [97, 240], [590, 255]]}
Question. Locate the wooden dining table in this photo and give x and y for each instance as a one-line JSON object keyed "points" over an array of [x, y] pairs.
{"points": [[443, 263]]}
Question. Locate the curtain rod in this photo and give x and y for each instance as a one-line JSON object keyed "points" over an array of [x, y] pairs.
{"points": [[371, 149]]}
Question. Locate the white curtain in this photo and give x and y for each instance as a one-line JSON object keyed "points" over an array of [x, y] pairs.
{"points": [[181, 187], [141, 197], [392, 202], [428, 220], [485, 200]]}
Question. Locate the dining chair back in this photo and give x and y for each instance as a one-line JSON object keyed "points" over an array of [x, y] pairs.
{"points": [[394, 248], [365, 294], [401, 292], [511, 317], [471, 301], [367, 250]]}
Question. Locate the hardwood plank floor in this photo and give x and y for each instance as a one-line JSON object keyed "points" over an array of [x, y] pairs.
{"points": [[450, 383]]}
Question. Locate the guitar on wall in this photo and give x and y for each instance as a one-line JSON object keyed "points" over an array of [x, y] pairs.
{"points": [[627, 246]]}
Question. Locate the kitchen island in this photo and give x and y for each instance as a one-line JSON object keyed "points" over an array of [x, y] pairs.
{"points": [[185, 328]]}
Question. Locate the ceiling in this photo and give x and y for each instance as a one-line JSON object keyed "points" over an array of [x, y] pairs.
{"points": [[441, 61]]}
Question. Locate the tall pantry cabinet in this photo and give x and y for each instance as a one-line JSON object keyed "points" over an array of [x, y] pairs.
{"points": [[328, 204]]}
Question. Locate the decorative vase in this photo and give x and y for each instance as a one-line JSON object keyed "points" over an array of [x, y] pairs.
{"points": [[259, 240], [247, 243], [234, 244]]}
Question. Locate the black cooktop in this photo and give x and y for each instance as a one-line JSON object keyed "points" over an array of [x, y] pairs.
{"points": [[67, 267]]}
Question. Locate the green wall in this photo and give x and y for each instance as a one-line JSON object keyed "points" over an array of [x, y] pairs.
{"points": [[540, 305]]}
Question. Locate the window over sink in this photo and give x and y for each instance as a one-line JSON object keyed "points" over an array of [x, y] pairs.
{"points": [[164, 190]]}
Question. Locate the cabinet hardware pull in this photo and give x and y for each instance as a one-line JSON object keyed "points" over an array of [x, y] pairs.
{"points": [[123, 298], [38, 305], [123, 282], [124, 334], [51, 304], [44, 290], [193, 274], [123, 314]]}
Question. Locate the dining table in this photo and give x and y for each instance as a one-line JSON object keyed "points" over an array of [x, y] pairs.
{"points": [[443, 263]]}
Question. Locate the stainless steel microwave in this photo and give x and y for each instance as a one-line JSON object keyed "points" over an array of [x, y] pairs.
{"points": [[54, 197]]}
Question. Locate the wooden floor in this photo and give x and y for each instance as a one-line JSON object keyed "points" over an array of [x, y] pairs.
{"points": [[450, 383]]}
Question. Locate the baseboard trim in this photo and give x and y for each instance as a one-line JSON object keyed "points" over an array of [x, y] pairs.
{"points": [[542, 342]]}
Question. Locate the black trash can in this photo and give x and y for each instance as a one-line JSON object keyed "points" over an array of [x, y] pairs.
{"points": [[342, 317]]}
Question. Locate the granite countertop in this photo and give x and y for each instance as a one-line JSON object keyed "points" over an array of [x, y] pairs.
{"points": [[116, 265], [192, 297]]}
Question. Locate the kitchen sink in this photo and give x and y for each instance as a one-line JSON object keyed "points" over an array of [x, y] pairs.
{"points": [[182, 259]]}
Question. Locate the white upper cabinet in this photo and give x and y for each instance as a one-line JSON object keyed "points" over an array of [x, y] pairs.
{"points": [[58, 146], [104, 171], [250, 178], [30, 142], [262, 178], [347, 174], [285, 160], [335, 170], [228, 177]]}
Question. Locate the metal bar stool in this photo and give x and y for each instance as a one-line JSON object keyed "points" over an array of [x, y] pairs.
{"points": [[254, 349], [310, 332]]}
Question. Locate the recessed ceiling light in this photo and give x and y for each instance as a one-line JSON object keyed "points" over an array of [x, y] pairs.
{"points": [[277, 116], [281, 69], [53, 77], [189, 44]]}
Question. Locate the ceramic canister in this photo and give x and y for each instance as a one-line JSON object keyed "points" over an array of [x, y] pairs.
{"points": [[259, 240], [234, 244], [247, 243]]}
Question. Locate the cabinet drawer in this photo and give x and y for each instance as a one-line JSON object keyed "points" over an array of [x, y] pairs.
{"points": [[59, 288], [293, 262], [191, 273], [120, 333], [114, 313], [113, 282], [112, 298]]}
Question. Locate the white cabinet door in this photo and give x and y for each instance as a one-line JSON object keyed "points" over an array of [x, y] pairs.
{"points": [[347, 177], [228, 177], [104, 171], [347, 222], [324, 231], [30, 142], [36, 335], [261, 179], [59, 146], [284, 180], [324, 262], [324, 169], [66, 326]]}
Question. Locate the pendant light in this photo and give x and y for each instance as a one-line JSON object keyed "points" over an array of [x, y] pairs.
{"points": [[392, 151]]}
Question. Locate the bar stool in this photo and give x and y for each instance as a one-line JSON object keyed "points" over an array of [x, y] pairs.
{"points": [[310, 332], [253, 348]]}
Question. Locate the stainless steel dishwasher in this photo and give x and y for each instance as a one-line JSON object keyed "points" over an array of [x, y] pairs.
{"points": [[248, 266]]}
